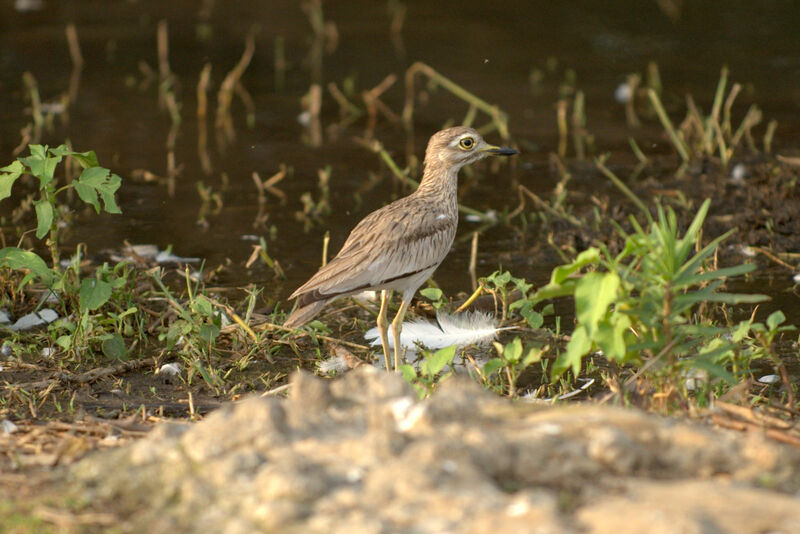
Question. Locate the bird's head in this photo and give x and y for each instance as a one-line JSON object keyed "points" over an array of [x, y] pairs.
{"points": [[459, 146]]}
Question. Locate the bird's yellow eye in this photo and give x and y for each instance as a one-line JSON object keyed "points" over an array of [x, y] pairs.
{"points": [[467, 143]]}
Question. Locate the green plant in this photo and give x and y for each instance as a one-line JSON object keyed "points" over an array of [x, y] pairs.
{"points": [[424, 380], [435, 295], [512, 360], [503, 284], [96, 186], [194, 331], [95, 183], [649, 305]]}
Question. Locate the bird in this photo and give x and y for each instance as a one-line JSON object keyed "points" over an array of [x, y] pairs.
{"points": [[399, 246]]}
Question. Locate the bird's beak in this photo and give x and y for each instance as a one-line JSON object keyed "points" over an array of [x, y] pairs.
{"points": [[500, 150]]}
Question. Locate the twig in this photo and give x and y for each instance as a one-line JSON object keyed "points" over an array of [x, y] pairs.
{"points": [[226, 89], [272, 326], [499, 118], [63, 378], [680, 146], [74, 46], [275, 391]]}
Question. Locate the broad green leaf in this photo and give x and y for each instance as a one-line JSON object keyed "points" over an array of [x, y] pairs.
{"points": [[16, 259], [114, 347], [107, 194], [775, 319], [41, 165], [408, 372], [610, 336], [203, 306], [65, 341], [44, 218], [513, 351], [208, 333], [741, 331], [525, 307], [534, 319], [435, 362], [560, 273], [579, 346], [593, 295], [98, 180], [491, 366], [534, 355], [551, 291], [88, 194], [499, 279], [85, 159], [431, 293], [94, 293], [8, 175]]}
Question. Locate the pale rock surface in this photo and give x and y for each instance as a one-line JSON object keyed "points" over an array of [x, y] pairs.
{"points": [[361, 455]]}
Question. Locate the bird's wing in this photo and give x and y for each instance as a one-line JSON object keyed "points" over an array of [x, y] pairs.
{"points": [[389, 244]]}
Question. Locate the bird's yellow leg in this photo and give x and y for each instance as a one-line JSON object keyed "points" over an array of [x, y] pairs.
{"points": [[397, 327], [383, 326]]}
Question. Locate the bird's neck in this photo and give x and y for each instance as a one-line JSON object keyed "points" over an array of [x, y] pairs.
{"points": [[439, 180]]}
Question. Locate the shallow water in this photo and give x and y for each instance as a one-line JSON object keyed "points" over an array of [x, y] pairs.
{"points": [[489, 50]]}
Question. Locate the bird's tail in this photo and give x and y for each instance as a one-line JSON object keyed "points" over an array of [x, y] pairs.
{"points": [[304, 314]]}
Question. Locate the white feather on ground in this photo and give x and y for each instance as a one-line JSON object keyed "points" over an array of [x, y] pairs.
{"points": [[469, 328]]}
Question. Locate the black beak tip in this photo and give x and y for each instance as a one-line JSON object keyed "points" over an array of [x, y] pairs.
{"points": [[505, 151]]}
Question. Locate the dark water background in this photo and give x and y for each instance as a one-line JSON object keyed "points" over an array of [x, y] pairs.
{"points": [[490, 48]]}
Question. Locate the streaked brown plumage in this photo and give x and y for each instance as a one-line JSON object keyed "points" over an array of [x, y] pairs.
{"points": [[399, 246]]}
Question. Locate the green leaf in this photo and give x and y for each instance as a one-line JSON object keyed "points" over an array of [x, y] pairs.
{"points": [[714, 369], [726, 298], [579, 346], [726, 272], [98, 180], [203, 306], [534, 319], [65, 341], [94, 293], [44, 218], [560, 273], [41, 165], [435, 362], [492, 365], [513, 351], [610, 336], [408, 372], [15, 258], [740, 331], [85, 159], [775, 319], [8, 175], [525, 307], [208, 333], [534, 355], [431, 293], [114, 347], [593, 295]]}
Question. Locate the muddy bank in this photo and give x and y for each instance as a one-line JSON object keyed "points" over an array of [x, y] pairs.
{"points": [[361, 454]]}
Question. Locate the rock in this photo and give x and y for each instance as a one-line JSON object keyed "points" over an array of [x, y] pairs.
{"points": [[361, 454], [32, 320], [707, 507]]}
